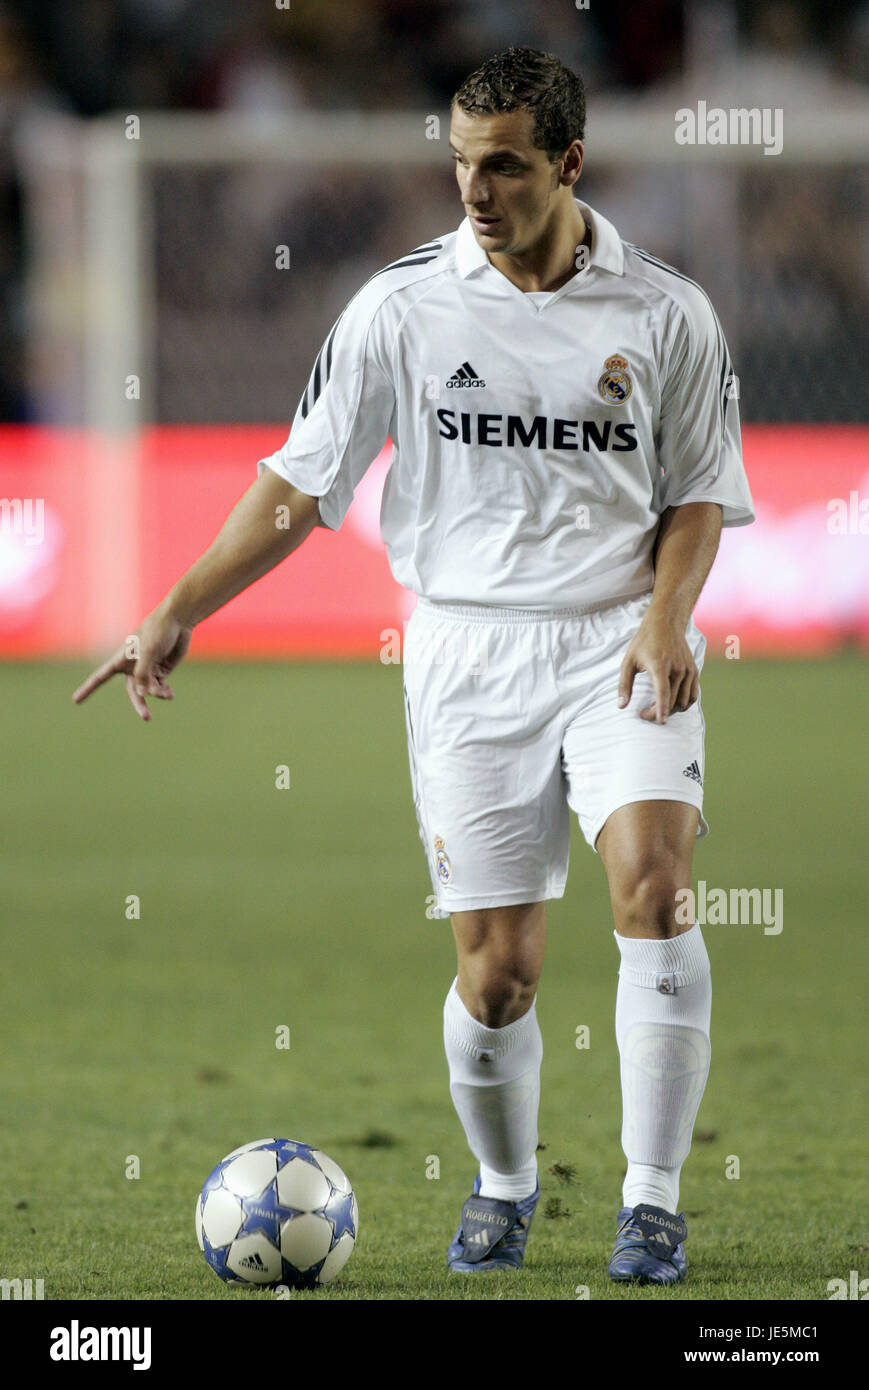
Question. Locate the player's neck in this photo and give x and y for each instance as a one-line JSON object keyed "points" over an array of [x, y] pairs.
{"points": [[552, 261]]}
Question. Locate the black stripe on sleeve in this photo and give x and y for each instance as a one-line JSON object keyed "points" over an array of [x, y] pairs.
{"points": [[399, 265], [726, 376], [428, 246], [329, 343], [726, 368], [318, 380], [317, 377]]}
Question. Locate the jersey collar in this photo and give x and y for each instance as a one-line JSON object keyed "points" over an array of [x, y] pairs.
{"points": [[607, 252]]}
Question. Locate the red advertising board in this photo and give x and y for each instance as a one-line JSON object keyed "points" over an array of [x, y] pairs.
{"points": [[93, 533]]}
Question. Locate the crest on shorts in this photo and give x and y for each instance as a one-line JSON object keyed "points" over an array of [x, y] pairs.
{"points": [[445, 868], [615, 385]]}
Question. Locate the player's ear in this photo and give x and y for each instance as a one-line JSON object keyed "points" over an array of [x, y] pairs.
{"points": [[571, 163]]}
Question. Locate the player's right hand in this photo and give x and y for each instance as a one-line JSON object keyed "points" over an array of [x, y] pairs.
{"points": [[145, 660]]}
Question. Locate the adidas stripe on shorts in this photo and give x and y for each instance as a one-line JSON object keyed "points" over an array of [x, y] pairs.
{"points": [[513, 721]]}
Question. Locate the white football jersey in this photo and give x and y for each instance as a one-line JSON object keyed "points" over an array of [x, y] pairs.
{"points": [[537, 438]]}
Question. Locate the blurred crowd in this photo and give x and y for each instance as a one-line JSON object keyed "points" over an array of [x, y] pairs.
{"points": [[99, 55], [88, 57]]}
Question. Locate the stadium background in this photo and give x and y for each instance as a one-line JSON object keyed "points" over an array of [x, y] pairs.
{"points": [[155, 257], [309, 129]]}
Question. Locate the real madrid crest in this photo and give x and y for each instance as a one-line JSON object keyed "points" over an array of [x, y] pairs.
{"points": [[615, 385], [445, 868]]}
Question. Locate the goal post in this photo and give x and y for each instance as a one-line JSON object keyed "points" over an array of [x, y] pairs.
{"points": [[106, 255], [184, 268]]}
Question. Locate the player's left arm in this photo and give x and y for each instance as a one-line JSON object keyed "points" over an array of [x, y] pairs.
{"points": [[686, 546]]}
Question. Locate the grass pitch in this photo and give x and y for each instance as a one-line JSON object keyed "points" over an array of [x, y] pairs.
{"points": [[153, 1037]]}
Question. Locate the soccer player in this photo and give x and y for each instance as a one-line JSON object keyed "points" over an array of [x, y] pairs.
{"points": [[566, 450]]}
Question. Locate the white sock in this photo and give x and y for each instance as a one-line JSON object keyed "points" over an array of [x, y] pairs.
{"points": [[495, 1086], [663, 1007]]}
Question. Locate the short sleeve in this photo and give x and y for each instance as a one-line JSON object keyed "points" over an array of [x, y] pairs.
{"points": [[699, 440], [343, 418]]}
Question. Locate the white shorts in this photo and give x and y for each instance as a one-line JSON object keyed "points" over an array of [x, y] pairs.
{"points": [[512, 718]]}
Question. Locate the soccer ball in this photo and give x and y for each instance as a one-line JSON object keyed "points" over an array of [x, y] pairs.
{"points": [[276, 1212]]}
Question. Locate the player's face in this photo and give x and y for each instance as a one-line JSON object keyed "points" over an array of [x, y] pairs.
{"points": [[509, 187]]}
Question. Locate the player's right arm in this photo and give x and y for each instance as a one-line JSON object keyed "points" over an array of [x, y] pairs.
{"points": [[341, 424], [271, 520]]}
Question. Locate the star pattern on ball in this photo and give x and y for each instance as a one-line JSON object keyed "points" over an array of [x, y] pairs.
{"points": [[212, 1182], [289, 1149], [216, 1257], [263, 1214], [340, 1212]]}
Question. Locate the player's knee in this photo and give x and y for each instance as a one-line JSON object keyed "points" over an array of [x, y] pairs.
{"points": [[498, 988], [500, 956], [644, 899], [499, 999]]}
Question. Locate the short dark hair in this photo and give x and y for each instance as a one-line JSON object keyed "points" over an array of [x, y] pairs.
{"points": [[524, 79]]}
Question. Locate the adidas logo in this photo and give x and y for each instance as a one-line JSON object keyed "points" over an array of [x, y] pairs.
{"points": [[465, 376], [693, 771], [477, 1239], [253, 1261], [661, 1239]]}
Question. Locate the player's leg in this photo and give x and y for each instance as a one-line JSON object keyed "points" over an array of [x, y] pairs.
{"points": [[494, 1050], [493, 1043], [637, 789], [664, 994], [484, 737]]}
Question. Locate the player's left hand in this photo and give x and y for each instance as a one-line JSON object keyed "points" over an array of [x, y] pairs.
{"points": [[660, 649]]}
